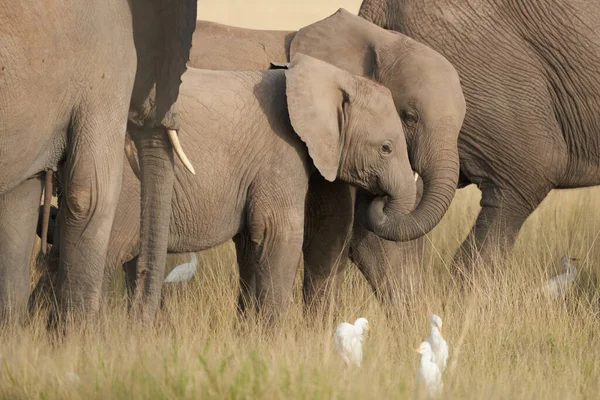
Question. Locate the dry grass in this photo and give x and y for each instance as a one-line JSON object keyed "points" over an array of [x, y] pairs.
{"points": [[506, 342]]}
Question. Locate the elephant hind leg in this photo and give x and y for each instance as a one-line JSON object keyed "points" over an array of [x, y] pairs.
{"points": [[93, 172], [274, 249], [18, 219], [495, 231]]}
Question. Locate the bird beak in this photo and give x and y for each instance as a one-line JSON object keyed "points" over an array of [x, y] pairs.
{"points": [[574, 259], [440, 329], [369, 329], [417, 349]]}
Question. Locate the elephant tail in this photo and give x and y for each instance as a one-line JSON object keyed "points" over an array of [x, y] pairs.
{"points": [[46, 210]]}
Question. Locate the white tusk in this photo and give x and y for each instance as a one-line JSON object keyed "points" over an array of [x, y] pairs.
{"points": [[416, 175], [131, 154], [172, 133]]}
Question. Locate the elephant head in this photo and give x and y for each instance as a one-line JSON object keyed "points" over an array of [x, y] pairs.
{"points": [[351, 129], [428, 98]]}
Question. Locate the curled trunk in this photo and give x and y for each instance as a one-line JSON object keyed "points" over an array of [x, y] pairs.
{"points": [[439, 185]]}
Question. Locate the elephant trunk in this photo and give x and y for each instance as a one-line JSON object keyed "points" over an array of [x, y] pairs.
{"points": [[157, 177], [439, 185]]}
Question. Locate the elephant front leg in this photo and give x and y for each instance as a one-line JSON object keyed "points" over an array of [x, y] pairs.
{"points": [[491, 239], [329, 219], [18, 216], [391, 268]]}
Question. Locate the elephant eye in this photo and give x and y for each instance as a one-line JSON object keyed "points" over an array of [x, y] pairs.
{"points": [[386, 148], [410, 116]]}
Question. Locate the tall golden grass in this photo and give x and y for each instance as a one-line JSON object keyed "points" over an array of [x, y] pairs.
{"points": [[505, 340]]}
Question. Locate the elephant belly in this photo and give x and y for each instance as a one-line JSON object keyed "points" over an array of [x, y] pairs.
{"points": [[203, 218]]}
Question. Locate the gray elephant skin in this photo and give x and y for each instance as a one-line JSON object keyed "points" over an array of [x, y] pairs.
{"points": [[429, 100], [531, 76], [255, 152], [73, 74]]}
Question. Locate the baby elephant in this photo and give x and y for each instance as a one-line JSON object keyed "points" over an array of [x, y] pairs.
{"points": [[255, 138]]}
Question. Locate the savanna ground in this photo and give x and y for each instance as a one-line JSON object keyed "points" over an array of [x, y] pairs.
{"points": [[505, 340]]}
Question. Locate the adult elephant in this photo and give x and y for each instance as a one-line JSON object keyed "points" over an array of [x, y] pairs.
{"points": [[69, 85], [429, 100], [531, 76]]}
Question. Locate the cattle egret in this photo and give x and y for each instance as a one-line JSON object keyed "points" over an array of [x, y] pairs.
{"points": [[437, 342], [348, 340], [558, 286], [429, 377], [183, 272], [72, 377]]}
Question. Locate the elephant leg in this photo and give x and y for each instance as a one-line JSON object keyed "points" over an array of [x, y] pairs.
{"points": [[492, 237], [43, 295], [130, 269], [390, 268], [275, 247], [329, 218], [18, 219], [247, 290], [92, 182]]}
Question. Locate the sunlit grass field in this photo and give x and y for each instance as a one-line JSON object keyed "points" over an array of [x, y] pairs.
{"points": [[506, 341]]}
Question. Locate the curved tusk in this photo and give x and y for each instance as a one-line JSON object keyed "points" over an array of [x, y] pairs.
{"points": [[416, 175], [172, 133], [130, 153]]}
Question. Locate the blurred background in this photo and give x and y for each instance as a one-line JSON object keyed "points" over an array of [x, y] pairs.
{"points": [[271, 14]]}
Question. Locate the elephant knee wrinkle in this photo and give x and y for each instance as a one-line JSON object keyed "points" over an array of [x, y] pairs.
{"points": [[79, 202]]}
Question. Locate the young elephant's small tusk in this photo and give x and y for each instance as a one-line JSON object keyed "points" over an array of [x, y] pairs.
{"points": [[416, 175], [172, 133]]}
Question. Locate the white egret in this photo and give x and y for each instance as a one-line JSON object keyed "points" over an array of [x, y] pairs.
{"points": [[438, 343], [183, 272], [429, 377], [348, 340], [72, 377], [558, 286]]}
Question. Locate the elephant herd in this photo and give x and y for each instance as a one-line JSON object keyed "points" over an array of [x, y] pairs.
{"points": [[301, 145]]}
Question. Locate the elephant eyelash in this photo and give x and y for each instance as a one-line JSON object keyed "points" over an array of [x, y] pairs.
{"points": [[410, 116]]}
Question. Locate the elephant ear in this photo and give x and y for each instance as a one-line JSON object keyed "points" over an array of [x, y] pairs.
{"points": [[344, 40], [317, 93]]}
